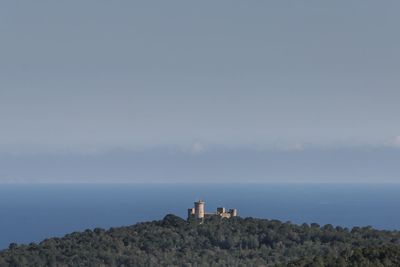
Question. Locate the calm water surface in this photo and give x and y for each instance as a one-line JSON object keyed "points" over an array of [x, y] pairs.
{"points": [[30, 213]]}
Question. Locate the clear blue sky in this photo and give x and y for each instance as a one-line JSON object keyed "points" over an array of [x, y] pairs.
{"points": [[242, 85]]}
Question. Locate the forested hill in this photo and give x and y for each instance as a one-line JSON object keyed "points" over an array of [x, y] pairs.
{"points": [[217, 242]]}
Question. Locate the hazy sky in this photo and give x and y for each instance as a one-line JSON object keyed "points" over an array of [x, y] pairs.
{"points": [[148, 76]]}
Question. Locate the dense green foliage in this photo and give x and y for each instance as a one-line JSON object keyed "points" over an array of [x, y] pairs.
{"points": [[217, 242], [362, 257]]}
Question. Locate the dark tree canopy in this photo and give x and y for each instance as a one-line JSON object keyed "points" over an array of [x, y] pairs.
{"points": [[216, 242]]}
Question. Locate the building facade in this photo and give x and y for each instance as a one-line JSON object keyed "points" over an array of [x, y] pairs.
{"points": [[198, 212]]}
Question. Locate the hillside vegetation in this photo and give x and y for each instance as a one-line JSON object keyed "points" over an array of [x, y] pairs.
{"points": [[217, 242]]}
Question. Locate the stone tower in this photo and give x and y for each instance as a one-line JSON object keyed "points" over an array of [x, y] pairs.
{"points": [[190, 212], [199, 209], [233, 212]]}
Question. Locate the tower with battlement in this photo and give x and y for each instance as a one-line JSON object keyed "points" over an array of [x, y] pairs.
{"points": [[199, 213], [199, 209]]}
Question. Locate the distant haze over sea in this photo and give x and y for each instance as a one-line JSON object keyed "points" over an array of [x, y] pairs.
{"points": [[206, 164]]}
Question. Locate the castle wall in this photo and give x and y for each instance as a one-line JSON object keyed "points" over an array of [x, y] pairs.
{"points": [[225, 215], [198, 211]]}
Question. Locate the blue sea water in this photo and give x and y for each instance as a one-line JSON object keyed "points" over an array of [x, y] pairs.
{"points": [[31, 213]]}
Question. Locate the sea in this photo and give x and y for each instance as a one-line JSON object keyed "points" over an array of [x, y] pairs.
{"points": [[33, 212]]}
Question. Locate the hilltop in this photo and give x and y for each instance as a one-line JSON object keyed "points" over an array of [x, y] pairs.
{"points": [[216, 242]]}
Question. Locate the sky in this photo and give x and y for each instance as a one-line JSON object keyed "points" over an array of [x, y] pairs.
{"points": [[228, 91]]}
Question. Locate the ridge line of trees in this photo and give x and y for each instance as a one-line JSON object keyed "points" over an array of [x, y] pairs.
{"points": [[216, 242]]}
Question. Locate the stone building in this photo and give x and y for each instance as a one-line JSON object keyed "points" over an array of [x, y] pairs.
{"points": [[198, 212]]}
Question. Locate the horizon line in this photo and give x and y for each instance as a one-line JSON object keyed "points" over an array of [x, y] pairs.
{"points": [[191, 182]]}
